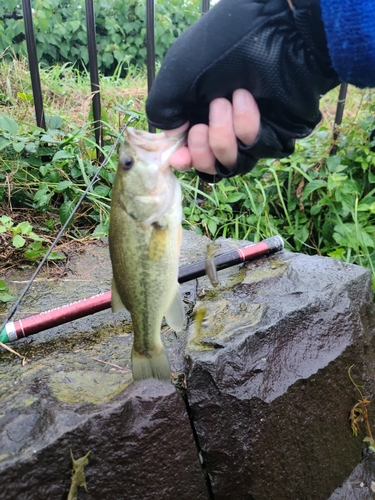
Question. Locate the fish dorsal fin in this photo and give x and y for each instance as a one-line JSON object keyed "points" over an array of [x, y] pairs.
{"points": [[158, 242], [176, 314], [116, 302]]}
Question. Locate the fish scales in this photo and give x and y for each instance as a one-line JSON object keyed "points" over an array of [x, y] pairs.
{"points": [[144, 240]]}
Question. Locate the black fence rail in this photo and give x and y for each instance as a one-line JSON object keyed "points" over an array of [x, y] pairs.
{"points": [[94, 72]]}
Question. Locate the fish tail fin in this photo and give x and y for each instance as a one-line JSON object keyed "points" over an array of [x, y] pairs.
{"points": [[154, 365]]}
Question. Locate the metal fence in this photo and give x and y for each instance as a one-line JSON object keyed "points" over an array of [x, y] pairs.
{"points": [[94, 73]]}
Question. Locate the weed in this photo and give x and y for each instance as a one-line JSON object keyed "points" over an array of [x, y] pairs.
{"points": [[5, 296], [22, 236], [359, 414]]}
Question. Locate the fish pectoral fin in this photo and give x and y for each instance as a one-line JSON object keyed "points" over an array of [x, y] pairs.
{"points": [[158, 242], [116, 302], [176, 313]]}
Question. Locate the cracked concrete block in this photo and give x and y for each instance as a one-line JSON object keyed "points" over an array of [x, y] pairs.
{"points": [[75, 394], [268, 385], [140, 444]]}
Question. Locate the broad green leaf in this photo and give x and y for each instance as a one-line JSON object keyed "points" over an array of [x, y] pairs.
{"points": [[8, 124], [56, 256], [6, 297], [55, 122], [212, 226], [3, 286], [363, 207], [63, 186], [6, 221], [18, 146], [313, 186], [102, 190], [25, 97], [335, 180], [44, 169], [25, 227], [34, 236], [371, 177], [300, 236], [65, 211], [62, 155], [43, 199], [233, 197], [315, 209], [18, 241], [338, 253], [47, 138], [101, 230], [333, 162]]}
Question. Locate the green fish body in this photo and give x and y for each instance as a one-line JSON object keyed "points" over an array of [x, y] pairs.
{"points": [[144, 242]]}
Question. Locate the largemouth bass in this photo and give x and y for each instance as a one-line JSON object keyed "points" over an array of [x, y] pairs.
{"points": [[144, 243]]}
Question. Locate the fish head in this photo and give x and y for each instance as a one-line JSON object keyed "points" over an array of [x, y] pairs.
{"points": [[145, 183]]}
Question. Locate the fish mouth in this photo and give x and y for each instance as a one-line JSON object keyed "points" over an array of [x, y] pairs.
{"points": [[159, 146]]}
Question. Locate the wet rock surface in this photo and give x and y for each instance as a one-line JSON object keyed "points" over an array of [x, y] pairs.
{"points": [[361, 483], [268, 389], [131, 440]]}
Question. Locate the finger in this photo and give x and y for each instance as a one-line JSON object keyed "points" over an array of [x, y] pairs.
{"points": [[222, 137], [176, 131], [246, 116], [201, 153], [181, 159]]}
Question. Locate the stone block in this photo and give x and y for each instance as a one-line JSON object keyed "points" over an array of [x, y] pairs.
{"points": [[268, 387], [268, 383]]}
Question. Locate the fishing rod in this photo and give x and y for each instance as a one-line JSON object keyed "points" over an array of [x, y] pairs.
{"points": [[43, 321]]}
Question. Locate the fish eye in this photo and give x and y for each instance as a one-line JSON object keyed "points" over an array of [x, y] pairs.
{"points": [[127, 163]]}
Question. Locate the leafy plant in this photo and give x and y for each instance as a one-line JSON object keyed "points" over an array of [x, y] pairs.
{"points": [[20, 236], [319, 203], [359, 414], [60, 30], [5, 296], [47, 170], [23, 228]]}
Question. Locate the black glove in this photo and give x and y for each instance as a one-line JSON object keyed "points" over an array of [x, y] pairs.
{"points": [[275, 50]]}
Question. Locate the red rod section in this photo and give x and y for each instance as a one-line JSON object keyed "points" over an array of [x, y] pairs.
{"points": [[54, 317]]}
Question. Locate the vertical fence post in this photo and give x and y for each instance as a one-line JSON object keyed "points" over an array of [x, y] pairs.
{"points": [[150, 46], [339, 114], [94, 75], [205, 6], [33, 64]]}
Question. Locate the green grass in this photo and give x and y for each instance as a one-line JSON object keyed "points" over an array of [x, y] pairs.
{"points": [[319, 204]]}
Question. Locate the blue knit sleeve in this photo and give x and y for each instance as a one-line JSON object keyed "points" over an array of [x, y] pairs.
{"points": [[350, 30]]}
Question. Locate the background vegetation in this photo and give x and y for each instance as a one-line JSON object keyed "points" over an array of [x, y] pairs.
{"points": [[318, 203], [60, 30]]}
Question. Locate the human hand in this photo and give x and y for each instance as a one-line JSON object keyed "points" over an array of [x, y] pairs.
{"points": [[274, 49], [218, 140]]}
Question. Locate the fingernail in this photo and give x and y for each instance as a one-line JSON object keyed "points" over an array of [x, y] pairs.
{"points": [[198, 140], [219, 111], [243, 100]]}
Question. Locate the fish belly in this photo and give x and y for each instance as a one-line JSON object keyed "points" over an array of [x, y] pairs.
{"points": [[145, 271]]}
